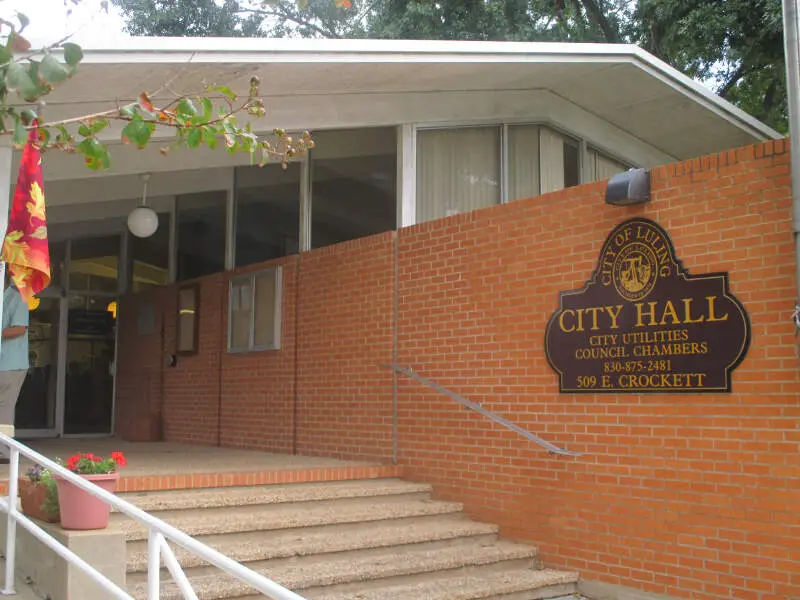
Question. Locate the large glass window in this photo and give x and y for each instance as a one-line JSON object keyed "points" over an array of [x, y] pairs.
{"points": [[150, 257], [523, 161], [600, 166], [201, 234], [94, 264], [254, 321], [267, 212], [354, 185], [458, 170], [559, 159]]}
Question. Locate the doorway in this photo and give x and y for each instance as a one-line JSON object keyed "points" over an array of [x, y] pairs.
{"points": [[69, 390]]}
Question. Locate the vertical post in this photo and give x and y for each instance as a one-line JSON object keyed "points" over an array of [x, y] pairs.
{"points": [[6, 157], [11, 527], [304, 235], [230, 222], [153, 564], [504, 164], [791, 40], [406, 175], [172, 260]]}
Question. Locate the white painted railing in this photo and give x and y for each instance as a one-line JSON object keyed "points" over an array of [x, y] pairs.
{"points": [[158, 534]]}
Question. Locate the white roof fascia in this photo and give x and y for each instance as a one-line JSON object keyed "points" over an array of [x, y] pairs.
{"points": [[261, 50]]}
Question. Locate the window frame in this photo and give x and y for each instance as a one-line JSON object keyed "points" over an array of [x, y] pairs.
{"points": [[583, 144], [250, 279]]}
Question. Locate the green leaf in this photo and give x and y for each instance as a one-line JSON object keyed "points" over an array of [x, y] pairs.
{"points": [[210, 138], [84, 131], [72, 54], [225, 91], [186, 108], [99, 125], [208, 108], [138, 132], [195, 137], [52, 71], [18, 80], [129, 111], [28, 116], [20, 133]]}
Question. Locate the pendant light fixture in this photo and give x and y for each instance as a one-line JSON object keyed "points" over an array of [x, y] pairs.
{"points": [[143, 220]]}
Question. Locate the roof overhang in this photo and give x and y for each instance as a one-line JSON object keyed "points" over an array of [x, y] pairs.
{"points": [[327, 84]]}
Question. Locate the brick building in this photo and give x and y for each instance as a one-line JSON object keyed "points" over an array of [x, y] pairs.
{"points": [[456, 190]]}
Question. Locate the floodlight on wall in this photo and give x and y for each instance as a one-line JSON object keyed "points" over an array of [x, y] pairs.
{"points": [[630, 187], [143, 220]]}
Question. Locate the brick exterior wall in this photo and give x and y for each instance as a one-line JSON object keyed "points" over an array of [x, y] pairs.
{"points": [[695, 496]]}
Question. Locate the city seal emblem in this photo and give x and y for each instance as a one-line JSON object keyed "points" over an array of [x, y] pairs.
{"points": [[635, 271]]}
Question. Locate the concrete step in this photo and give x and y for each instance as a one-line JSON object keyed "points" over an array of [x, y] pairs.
{"points": [[464, 584], [261, 546], [272, 494], [239, 519], [308, 572]]}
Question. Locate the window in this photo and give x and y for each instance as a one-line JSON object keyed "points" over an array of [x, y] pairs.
{"points": [[188, 319], [150, 257], [201, 234], [600, 166], [267, 212], [560, 161], [94, 264], [254, 312], [354, 184], [458, 171], [523, 161]]}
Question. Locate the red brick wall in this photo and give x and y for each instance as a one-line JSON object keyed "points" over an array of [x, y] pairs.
{"points": [[344, 334], [258, 389], [192, 387], [695, 496], [689, 495], [139, 368]]}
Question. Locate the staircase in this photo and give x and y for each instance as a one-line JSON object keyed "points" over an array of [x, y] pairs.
{"points": [[367, 539]]}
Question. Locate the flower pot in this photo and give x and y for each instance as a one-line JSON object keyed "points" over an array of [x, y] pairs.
{"points": [[32, 496], [79, 509]]}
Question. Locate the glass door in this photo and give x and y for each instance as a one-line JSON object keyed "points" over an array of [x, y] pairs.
{"points": [[37, 410], [90, 360]]}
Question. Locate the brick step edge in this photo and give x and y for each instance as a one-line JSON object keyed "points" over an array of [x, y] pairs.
{"points": [[152, 483]]}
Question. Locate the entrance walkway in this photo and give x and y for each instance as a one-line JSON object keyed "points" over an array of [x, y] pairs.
{"points": [[165, 465]]}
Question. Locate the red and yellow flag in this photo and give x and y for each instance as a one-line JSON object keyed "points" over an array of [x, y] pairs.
{"points": [[25, 248]]}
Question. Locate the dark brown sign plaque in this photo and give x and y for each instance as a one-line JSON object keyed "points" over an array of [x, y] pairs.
{"points": [[643, 324]]}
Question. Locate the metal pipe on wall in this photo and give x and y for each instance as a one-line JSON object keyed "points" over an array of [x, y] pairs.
{"points": [[791, 38]]}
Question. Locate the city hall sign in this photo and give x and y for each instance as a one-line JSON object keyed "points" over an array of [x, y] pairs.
{"points": [[644, 324]]}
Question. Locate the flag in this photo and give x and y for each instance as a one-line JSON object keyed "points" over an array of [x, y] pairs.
{"points": [[25, 248]]}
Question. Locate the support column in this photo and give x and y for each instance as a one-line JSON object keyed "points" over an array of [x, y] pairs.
{"points": [[406, 175], [304, 234], [230, 221], [6, 159], [172, 261], [791, 39]]}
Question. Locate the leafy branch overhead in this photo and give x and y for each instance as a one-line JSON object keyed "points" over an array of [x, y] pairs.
{"points": [[217, 116]]}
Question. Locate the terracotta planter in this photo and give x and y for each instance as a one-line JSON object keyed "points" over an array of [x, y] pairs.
{"points": [[79, 509], [32, 496]]}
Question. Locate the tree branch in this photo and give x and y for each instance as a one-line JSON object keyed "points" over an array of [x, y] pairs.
{"points": [[732, 80], [597, 17], [298, 20]]}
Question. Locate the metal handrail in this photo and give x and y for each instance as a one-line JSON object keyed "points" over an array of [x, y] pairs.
{"points": [[552, 448], [158, 533]]}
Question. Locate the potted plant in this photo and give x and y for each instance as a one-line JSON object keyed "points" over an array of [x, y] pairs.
{"points": [[79, 509], [39, 495]]}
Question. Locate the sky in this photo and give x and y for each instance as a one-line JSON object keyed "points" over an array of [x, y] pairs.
{"points": [[49, 22]]}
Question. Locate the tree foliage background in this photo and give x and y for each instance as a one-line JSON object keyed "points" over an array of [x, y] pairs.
{"points": [[734, 46]]}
